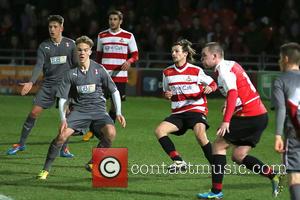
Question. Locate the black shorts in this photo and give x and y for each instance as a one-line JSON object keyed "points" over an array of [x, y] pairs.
{"points": [[246, 131], [186, 120], [121, 88]]}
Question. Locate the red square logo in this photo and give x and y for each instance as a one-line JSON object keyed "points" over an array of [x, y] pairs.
{"points": [[110, 167]]}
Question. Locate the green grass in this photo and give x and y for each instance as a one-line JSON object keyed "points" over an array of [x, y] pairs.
{"points": [[69, 180]]}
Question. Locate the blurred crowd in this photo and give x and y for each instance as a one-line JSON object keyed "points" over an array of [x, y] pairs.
{"points": [[242, 26]]}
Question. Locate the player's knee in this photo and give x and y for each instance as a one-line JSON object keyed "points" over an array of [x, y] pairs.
{"points": [[34, 114], [294, 178], [201, 136], [111, 133], [159, 132], [238, 157], [61, 138]]}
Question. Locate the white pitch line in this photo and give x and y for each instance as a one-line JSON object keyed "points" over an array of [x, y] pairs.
{"points": [[3, 197]]}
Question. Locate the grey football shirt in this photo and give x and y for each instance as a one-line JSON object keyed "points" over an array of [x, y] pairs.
{"points": [[88, 87], [54, 59], [286, 100]]}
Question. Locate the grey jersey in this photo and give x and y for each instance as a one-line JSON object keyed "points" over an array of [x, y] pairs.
{"points": [[88, 87], [286, 100], [54, 59]]}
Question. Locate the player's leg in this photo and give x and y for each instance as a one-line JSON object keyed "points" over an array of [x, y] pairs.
{"points": [[104, 129], [294, 185], [65, 151], [54, 150], [218, 168], [292, 164], [27, 126], [197, 121], [122, 89], [200, 133], [240, 156], [171, 125]]}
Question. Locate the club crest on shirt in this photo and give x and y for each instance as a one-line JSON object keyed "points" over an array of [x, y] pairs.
{"points": [[67, 44], [96, 71], [188, 79]]}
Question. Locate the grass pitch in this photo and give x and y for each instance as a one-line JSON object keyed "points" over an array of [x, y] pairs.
{"points": [[69, 180]]}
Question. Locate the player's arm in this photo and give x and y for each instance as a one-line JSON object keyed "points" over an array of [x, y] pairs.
{"points": [[62, 93], [117, 103], [278, 100], [231, 98], [62, 107], [111, 86], [99, 50], [75, 58], [134, 54], [209, 84], [166, 90], [26, 87]]}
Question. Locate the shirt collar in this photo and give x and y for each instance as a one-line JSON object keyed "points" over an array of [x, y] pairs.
{"points": [[219, 64]]}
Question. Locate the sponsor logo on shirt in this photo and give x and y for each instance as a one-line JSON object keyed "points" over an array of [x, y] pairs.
{"points": [[180, 89], [112, 48], [58, 60], [86, 89], [47, 48], [67, 44], [121, 40]]}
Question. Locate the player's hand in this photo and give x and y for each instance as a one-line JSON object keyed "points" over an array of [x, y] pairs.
{"points": [[121, 120], [126, 65], [207, 89], [223, 129], [26, 88], [63, 126], [168, 94], [279, 145]]}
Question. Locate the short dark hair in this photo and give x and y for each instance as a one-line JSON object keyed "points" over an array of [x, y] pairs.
{"points": [[116, 12], [56, 18], [292, 51], [85, 39], [186, 47], [215, 47]]}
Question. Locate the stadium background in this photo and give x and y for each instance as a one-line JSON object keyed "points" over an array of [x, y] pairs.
{"points": [[251, 32]]}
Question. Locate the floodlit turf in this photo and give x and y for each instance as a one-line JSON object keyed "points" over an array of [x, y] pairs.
{"points": [[69, 180]]}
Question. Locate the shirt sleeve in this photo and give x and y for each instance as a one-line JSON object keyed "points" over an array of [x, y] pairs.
{"points": [[278, 101], [229, 81], [75, 59], [107, 81], [132, 45], [99, 50], [204, 79], [64, 87], [38, 66], [165, 85]]}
